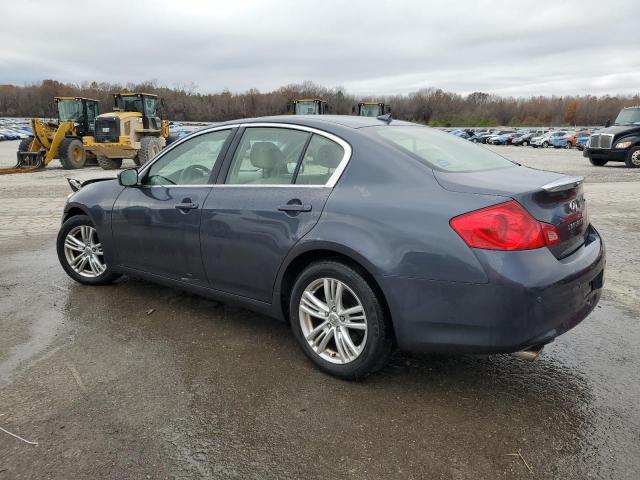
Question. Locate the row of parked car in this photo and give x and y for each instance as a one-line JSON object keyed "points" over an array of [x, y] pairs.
{"points": [[537, 138], [14, 129]]}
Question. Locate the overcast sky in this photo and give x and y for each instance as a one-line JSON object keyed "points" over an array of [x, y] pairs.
{"points": [[369, 47]]}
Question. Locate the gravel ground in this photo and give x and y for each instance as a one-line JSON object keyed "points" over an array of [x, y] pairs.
{"points": [[197, 389]]}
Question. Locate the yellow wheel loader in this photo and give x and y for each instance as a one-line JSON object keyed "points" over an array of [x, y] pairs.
{"points": [[133, 130], [61, 138], [308, 106], [371, 109]]}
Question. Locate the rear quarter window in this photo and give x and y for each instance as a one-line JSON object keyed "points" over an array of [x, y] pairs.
{"points": [[439, 150]]}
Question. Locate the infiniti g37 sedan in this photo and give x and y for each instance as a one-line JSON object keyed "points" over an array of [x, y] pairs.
{"points": [[365, 234]]}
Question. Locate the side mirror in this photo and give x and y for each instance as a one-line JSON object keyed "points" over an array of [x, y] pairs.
{"points": [[128, 178], [607, 124]]}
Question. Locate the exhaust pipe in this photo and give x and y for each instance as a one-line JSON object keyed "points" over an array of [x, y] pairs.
{"points": [[529, 355]]}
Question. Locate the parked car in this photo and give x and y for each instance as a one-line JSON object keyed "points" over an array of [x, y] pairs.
{"points": [[9, 134], [288, 216], [617, 143], [524, 139], [462, 133], [497, 134], [482, 138], [566, 141], [546, 140], [477, 136], [560, 141], [582, 140]]}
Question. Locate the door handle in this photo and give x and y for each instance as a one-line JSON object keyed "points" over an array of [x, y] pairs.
{"points": [[187, 206], [295, 207]]}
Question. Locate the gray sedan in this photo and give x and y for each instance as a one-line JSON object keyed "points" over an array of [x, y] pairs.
{"points": [[365, 234]]}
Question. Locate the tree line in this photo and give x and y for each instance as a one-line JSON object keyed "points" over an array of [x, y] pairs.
{"points": [[431, 106]]}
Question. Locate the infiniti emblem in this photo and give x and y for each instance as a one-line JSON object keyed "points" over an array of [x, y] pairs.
{"points": [[573, 205]]}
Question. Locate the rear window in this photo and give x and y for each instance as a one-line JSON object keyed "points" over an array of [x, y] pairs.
{"points": [[440, 151]]}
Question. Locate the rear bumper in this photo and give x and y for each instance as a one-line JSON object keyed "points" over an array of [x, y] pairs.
{"points": [[530, 299], [611, 155]]}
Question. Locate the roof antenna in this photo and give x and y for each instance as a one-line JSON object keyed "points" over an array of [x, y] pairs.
{"points": [[385, 118]]}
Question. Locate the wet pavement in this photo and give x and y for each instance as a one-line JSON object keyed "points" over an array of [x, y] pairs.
{"points": [[136, 380]]}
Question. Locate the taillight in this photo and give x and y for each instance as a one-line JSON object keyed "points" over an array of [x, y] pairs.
{"points": [[506, 226]]}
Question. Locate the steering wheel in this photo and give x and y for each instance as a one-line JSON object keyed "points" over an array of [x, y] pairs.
{"points": [[188, 173]]}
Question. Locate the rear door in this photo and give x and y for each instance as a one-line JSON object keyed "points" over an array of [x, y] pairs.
{"points": [[272, 193], [156, 225]]}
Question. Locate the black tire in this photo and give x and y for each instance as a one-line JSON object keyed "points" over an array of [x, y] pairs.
{"points": [[545, 144], [105, 278], [172, 138], [72, 154], [149, 148], [525, 143], [633, 158], [380, 340], [597, 162], [109, 163], [568, 145], [25, 144]]}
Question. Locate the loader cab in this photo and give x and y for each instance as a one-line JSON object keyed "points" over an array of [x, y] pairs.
{"points": [[371, 109], [308, 106], [145, 103], [82, 111]]}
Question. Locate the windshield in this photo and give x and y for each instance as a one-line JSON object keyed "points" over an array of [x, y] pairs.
{"points": [[70, 110], [129, 104], [307, 108], [370, 110], [628, 116], [439, 150]]}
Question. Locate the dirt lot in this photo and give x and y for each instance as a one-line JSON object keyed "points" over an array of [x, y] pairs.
{"points": [[197, 389]]}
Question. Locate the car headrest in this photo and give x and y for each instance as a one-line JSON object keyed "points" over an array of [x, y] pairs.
{"points": [[329, 155], [266, 155]]}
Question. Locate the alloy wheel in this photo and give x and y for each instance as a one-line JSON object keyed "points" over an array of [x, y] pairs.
{"points": [[333, 320], [83, 251], [635, 158]]}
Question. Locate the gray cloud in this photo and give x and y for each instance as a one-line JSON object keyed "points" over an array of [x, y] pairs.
{"points": [[369, 47]]}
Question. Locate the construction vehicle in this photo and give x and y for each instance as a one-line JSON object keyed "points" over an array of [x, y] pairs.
{"points": [[133, 130], [60, 138], [308, 106], [371, 109]]}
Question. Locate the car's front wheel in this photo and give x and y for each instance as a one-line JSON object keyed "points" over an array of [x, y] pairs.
{"points": [[339, 321], [81, 254]]}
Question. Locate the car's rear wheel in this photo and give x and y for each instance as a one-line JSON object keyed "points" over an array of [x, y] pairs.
{"points": [[81, 254], [339, 321], [633, 158]]}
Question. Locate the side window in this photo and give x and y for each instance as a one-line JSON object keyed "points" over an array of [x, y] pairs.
{"points": [[267, 155], [150, 106], [189, 163], [320, 161]]}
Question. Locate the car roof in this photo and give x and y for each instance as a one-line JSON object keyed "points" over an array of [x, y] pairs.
{"points": [[350, 121]]}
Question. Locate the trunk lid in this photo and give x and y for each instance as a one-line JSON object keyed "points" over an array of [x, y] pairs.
{"points": [[549, 197]]}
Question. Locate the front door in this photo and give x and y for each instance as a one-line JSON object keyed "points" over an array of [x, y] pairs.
{"points": [[156, 225], [274, 191]]}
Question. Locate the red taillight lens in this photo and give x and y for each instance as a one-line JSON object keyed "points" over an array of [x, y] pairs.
{"points": [[506, 226]]}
